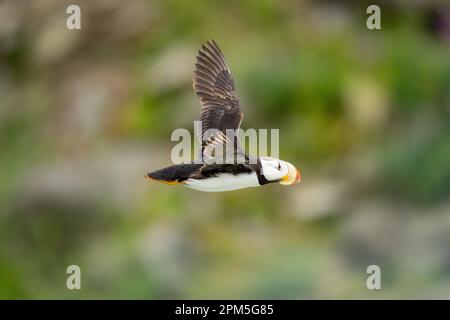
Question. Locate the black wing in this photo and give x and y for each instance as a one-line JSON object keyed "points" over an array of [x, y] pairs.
{"points": [[214, 85]]}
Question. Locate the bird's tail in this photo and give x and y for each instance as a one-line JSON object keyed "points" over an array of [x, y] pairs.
{"points": [[175, 174]]}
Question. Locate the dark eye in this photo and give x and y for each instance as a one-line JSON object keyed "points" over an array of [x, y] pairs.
{"points": [[279, 165]]}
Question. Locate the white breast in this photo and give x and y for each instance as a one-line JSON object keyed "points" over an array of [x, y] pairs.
{"points": [[224, 182]]}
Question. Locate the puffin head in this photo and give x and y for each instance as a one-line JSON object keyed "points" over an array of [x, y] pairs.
{"points": [[278, 170]]}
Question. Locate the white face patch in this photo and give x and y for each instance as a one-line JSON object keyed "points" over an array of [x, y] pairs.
{"points": [[273, 169]]}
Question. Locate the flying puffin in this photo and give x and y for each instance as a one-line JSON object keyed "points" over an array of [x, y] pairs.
{"points": [[214, 86]]}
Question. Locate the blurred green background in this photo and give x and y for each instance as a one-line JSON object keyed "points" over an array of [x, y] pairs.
{"points": [[84, 114]]}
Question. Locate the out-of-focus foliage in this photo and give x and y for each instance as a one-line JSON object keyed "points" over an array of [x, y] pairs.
{"points": [[85, 114]]}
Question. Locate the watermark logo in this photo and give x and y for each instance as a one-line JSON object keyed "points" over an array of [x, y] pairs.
{"points": [[227, 147], [374, 280], [74, 280], [73, 21], [373, 22]]}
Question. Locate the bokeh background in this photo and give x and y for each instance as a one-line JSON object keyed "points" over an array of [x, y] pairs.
{"points": [[84, 114]]}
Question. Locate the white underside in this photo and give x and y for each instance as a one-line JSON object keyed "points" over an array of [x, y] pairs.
{"points": [[224, 182]]}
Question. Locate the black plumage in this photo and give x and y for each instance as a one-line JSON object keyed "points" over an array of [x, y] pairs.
{"points": [[175, 173], [214, 85]]}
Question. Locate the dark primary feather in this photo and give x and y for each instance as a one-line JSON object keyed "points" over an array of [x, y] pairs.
{"points": [[214, 85], [215, 170]]}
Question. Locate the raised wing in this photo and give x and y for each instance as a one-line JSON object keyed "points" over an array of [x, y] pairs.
{"points": [[214, 85]]}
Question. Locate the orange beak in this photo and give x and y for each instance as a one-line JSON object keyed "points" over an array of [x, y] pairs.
{"points": [[292, 177]]}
